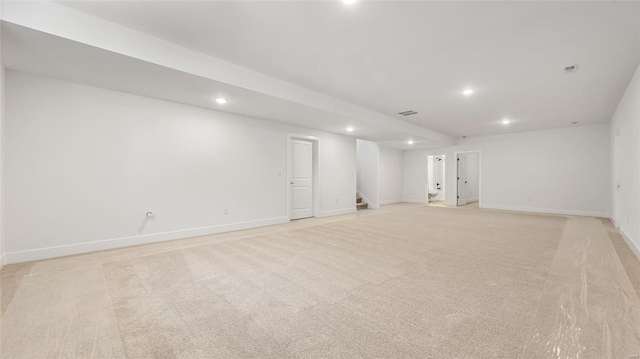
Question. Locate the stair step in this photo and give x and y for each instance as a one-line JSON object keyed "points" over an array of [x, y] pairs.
{"points": [[358, 199], [362, 205]]}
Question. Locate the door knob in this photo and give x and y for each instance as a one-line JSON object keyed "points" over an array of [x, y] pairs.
{"points": [[290, 182]]}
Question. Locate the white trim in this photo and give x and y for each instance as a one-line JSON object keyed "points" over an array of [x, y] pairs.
{"points": [[569, 212], [59, 251], [370, 204], [315, 142], [455, 159], [391, 201], [632, 246], [415, 200], [443, 191], [338, 212], [2, 259], [616, 164]]}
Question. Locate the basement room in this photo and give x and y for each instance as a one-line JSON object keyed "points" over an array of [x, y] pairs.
{"points": [[320, 179]]}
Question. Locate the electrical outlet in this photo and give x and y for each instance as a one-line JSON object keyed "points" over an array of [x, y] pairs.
{"points": [[337, 200], [226, 211]]}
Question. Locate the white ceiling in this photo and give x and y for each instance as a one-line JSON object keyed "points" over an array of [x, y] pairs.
{"points": [[395, 56], [35, 52]]}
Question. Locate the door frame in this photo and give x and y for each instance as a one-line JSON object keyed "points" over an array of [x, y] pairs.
{"points": [[617, 206], [315, 144], [455, 173], [444, 175]]}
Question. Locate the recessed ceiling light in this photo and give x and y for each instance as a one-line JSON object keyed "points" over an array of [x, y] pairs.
{"points": [[410, 142], [468, 92], [349, 129], [574, 122], [221, 100], [348, 2], [506, 122]]}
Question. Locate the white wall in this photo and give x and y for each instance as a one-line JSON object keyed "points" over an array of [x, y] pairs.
{"points": [[626, 164], [431, 175], [368, 153], [556, 171], [2, 116], [390, 175], [84, 165], [415, 181]]}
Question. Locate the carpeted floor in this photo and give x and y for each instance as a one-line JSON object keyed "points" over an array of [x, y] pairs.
{"points": [[406, 281]]}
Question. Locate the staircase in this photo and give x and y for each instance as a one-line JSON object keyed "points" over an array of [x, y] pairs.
{"points": [[359, 204]]}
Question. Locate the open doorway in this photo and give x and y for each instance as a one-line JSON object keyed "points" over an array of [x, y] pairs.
{"points": [[468, 177], [436, 179]]}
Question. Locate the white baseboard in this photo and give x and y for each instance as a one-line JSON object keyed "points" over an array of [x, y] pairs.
{"points": [[546, 210], [613, 220], [2, 259], [635, 249], [337, 212], [391, 201], [415, 200], [59, 251]]}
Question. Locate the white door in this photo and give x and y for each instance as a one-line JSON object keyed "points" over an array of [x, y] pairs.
{"points": [[301, 179], [462, 181]]}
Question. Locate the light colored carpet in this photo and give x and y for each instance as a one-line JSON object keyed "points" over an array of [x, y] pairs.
{"points": [[630, 262], [406, 281]]}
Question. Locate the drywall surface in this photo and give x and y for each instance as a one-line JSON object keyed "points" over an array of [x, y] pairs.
{"points": [[59, 20], [2, 116], [625, 125], [368, 153], [554, 171], [415, 181], [84, 165], [390, 173]]}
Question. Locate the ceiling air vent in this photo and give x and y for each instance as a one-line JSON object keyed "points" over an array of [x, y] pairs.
{"points": [[571, 68], [407, 113]]}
